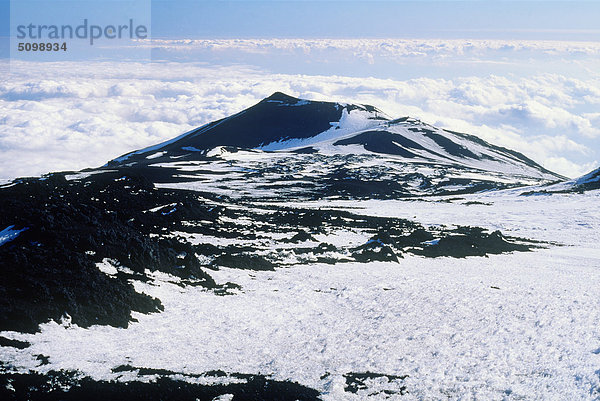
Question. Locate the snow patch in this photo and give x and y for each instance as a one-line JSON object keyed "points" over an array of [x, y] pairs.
{"points": [[155, 155], [355, 120], [107, 267]]}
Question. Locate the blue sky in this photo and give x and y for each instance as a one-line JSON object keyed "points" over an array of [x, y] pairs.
{"points": [[573, 20], [377, 19]]}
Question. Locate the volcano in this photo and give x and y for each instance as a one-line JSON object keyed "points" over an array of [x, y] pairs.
{"points": [[284, 123]]}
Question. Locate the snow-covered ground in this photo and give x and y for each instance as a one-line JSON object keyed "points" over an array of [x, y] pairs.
{"points": [[512, 326], [569, 219]]}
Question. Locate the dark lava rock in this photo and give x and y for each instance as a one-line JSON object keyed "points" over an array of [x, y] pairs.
{"points": [[245, 262], [65, 386], [343, 183], [449, 146], [383, 142], [44, 360], [382, 254], [300, 237], [7, 342], [50, 269], [471, 241], [357, 381], [375, 250]]}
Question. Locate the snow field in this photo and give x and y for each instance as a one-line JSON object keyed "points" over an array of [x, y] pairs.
{"points": [[513, 326], [440, 321]]}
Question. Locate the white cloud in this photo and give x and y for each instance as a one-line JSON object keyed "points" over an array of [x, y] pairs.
{"points": [[388, 47], [577, 170], [73, 115]]}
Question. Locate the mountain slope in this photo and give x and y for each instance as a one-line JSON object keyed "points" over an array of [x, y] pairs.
{"points": [[587, 182], [287, 124], [277, 118], [289, 148]]}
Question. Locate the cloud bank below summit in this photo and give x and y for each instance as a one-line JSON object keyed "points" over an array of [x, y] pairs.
{"points": [[391, 47], [391, 58], [72, 115]]}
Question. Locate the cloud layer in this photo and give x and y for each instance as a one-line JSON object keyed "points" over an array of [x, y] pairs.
{"points": [[390, 47], [390, 58], [72, 115]]}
